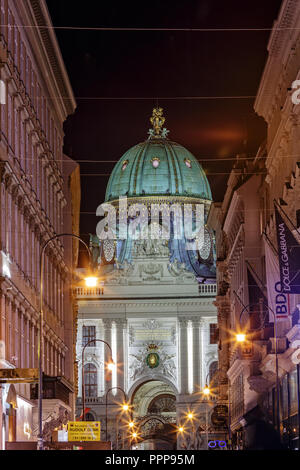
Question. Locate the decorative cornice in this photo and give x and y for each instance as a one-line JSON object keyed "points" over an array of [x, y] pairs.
{"points": [[50, 44]]}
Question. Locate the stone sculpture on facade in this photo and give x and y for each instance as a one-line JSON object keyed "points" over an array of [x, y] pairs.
{"points": [[138, 366]]}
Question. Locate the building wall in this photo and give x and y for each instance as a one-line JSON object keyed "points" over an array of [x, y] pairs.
{"points": [[180, 328], [32, 193], [240, 221]]}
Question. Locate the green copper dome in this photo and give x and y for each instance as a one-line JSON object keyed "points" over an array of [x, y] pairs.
{"points": [[158, 167]]}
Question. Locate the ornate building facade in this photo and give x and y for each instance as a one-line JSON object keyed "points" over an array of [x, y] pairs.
{"points": [[153, 304], [40, 195], [246, 241]]}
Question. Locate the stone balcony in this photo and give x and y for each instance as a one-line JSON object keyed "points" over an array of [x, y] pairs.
{"points": [[205, 290], [91, 400]]}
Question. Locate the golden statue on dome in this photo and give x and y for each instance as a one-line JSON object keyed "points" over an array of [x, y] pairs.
{"points": [[157, 120]]}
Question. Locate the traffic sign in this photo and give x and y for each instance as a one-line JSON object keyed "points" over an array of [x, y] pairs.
{"points": [[84, 430]]}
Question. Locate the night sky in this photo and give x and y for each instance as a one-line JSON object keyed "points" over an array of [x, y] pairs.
{"points": [[161, 64]]}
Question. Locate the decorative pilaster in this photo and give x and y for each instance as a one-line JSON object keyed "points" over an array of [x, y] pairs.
{"points": [[121, 325], [183, 355], [196, 355], [107, 323]]}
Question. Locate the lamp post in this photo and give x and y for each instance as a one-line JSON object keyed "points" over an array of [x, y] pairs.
{"points": [[191, 417], [206, 392], [125, 405], [40, 444], [241, 337], [110, 366]]}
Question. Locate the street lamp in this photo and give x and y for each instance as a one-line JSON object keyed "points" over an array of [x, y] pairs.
{"points": [[125, 406], [40, 443], [191, 417], [91, 281], [241, 337], [207, 391], [110, 366]]}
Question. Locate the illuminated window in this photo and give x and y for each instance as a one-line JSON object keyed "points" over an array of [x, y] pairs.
{"points": [[124, 165], [155, 162], [90, 380], [88, 334]]}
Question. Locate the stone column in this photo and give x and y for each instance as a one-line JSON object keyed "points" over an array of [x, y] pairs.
{"points": [[120, 326], [196, 355], [107, 323], [183, 355]]}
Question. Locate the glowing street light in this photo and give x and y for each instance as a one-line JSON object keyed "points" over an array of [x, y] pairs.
{"points": [[131, 424], [91, 281], [181, 429], [206, 390], [124, 406], [240, 337], [111, 365]]}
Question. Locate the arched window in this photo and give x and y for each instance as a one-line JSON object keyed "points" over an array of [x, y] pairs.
{"points": [[90, 380], [89, 417]]}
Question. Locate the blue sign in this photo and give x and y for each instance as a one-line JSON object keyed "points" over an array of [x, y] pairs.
{"points": [[213, 444]]}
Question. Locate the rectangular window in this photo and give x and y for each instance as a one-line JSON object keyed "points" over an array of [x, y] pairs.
{"points": [[10, 32], [28, 75], [33, 88], [10, 119], [213, 333], [2, 17], [39, 103], [88, 334], [90, 381], [17, 51], [22, 61]]}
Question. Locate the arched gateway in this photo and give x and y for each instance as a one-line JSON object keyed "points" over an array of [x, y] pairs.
{"points": [[154, 302], [154, 412]]}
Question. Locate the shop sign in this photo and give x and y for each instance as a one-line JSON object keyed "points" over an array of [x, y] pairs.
{"points": [[83, 431]]}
